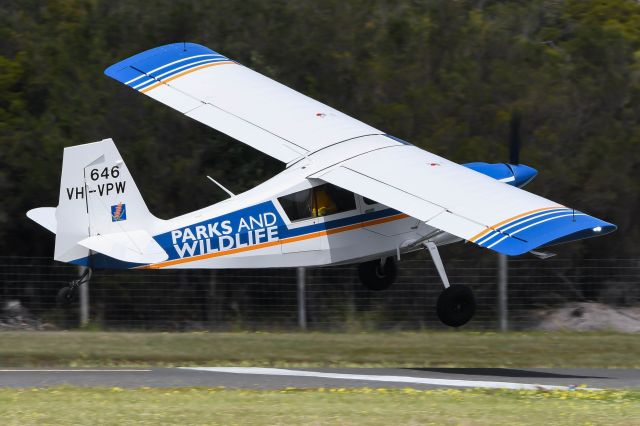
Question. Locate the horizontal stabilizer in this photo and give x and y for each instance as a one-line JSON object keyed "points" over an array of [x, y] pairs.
{"points": [[44, 216], [132, 246]]}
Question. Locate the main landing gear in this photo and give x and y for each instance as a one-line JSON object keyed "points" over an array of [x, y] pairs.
{"points": [[66, 295], [378, 274], [456, 304]]}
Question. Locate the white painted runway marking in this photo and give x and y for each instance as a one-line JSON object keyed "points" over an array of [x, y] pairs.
{"points": [[394, 379], [70, 371]]}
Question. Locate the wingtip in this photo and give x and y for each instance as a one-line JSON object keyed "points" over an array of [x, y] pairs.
{"points": [[562, 228], [147, 60]]}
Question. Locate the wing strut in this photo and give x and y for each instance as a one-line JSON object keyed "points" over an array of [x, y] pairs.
{"points": [[435, 255], [231, 194]]}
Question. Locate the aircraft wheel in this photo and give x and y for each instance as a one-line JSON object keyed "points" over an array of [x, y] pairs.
{"points": [[456, 305], [376, 277], [65, 296]]}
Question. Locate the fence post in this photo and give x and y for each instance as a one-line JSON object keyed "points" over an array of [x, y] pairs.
{"points": [[503, 277], [302, 300], [84, 299]]}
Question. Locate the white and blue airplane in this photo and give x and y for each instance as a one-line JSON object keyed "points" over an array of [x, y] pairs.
{"points": [[349, 193]]}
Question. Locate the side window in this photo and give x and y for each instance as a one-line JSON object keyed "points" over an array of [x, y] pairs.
{"points": [[331, 199], [369, 201], [298, 205], [320, 201]]}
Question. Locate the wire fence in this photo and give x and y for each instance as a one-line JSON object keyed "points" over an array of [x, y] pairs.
{"points": [[541, 294]]}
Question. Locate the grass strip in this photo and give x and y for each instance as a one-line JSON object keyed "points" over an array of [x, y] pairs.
{"points": [[389, 349], [361, 406]]}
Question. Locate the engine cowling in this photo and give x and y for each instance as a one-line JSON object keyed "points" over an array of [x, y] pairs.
{"points": [[513, 174]]}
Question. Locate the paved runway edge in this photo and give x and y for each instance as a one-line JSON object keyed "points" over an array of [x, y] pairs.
{"points": [[280, 378], [376, 378]]}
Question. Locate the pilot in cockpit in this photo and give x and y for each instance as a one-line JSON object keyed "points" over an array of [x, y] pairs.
{"points": [[323, 204]]}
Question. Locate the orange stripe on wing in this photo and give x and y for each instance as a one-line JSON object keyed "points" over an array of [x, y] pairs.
{"points": [[183, 73], [499, 224], [274, 243]]}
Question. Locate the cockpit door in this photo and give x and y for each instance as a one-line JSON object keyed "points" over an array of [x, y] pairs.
{"points": [[314, 213], [384, 220], [301, 226]]}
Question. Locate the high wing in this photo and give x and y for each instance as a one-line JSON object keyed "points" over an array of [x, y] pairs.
{"points": [[289, 126], [235, 100], [459, 200]]}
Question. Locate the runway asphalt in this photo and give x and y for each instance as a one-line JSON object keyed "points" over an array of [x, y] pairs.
{"points": [[276, 378]]}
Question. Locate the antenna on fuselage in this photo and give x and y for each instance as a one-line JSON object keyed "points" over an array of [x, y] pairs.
{"points": [[231, 194]]}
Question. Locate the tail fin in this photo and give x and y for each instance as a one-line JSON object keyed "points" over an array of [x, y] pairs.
{"points": [[101, 209]]}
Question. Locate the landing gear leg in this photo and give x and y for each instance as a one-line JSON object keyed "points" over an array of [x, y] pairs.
{"points": [[66, 295], [377, 274], [435, 255], [456, 304]]}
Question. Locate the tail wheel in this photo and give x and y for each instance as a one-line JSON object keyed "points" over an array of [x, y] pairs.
{"points": [[66, 296], [456, 305], [376, 276]]}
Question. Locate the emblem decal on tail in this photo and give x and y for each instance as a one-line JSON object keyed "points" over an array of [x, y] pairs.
{"points": [[118, 212]]}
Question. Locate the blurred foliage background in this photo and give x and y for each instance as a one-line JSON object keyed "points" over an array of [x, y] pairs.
{"points": [[443, 74]]}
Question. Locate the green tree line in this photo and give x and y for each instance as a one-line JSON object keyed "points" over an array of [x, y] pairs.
{"points": [[443, 74]]}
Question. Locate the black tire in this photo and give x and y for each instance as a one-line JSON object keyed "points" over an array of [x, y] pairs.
{"points": [[376, 277], [65, 296], [456, 305]]}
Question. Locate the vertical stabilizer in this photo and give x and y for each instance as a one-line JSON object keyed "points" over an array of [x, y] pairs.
{"points": [[97, 197]]}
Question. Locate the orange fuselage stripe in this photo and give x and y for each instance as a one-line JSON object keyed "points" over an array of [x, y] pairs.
{"points": [[275, 243], [499, 224], [183, 73]]}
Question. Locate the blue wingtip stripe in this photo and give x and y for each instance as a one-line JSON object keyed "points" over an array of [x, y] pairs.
{"points": [[135, 69], [517, 222], [213, 58], [169, 64], [535, 224], [156, 78]]}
